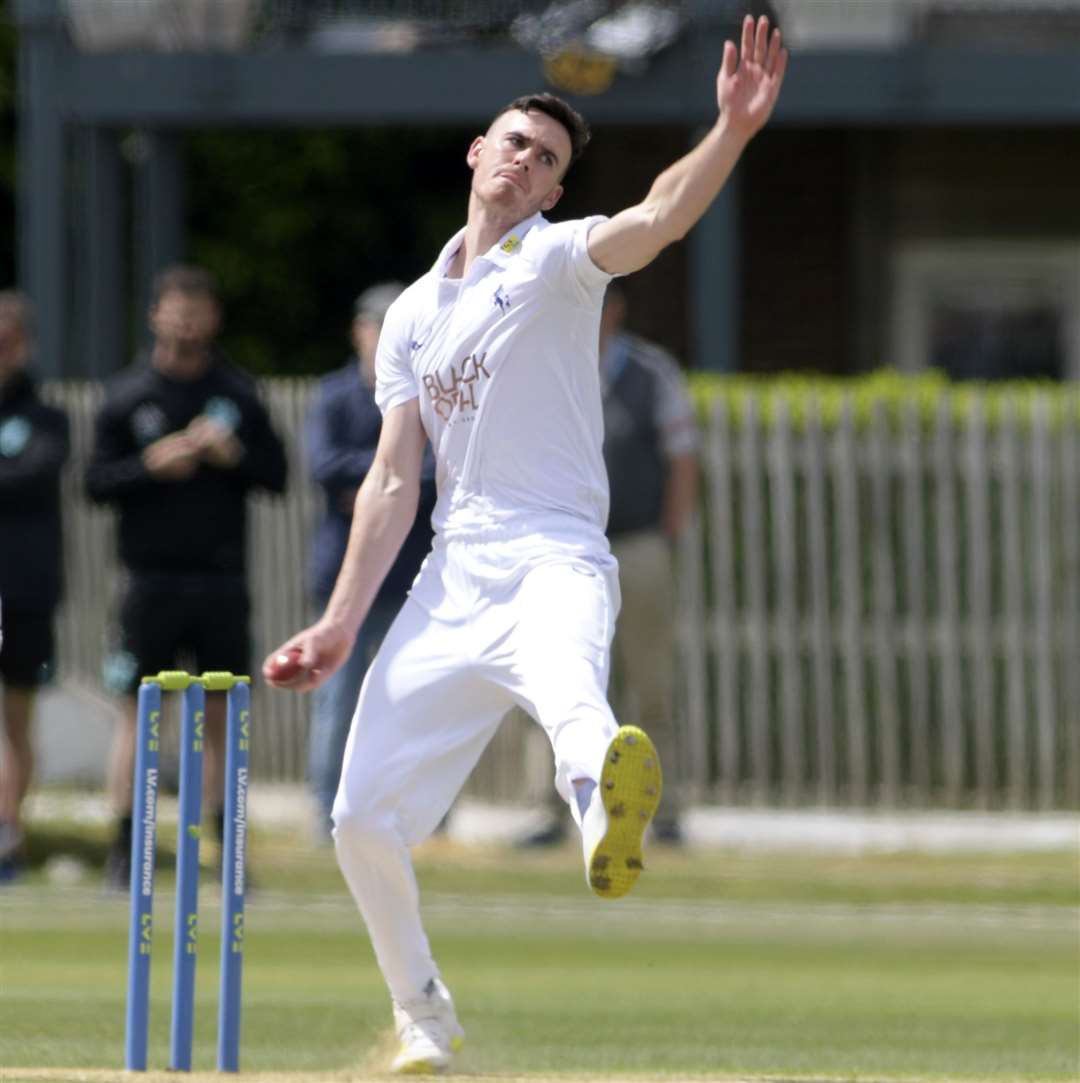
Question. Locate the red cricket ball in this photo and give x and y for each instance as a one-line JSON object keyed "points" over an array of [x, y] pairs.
{"points": [[285, 665]]}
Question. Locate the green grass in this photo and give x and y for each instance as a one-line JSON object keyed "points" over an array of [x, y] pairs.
{"points": [[776, 966]]}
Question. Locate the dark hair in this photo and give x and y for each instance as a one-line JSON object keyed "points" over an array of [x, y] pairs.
{"points": [[17, 306], [574, 123], [185, 278]]}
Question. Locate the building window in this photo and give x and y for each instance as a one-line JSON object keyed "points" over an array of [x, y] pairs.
{"points": [[988, 311]]}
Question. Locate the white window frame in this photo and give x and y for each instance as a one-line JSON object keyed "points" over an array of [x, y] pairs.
{"points": [[1016, 272]]}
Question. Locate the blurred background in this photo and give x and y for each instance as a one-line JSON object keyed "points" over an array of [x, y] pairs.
{"points": [[879, 593], [881, 316]]}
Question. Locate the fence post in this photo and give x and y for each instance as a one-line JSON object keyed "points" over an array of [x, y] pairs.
{"points": [[754, 543], [948, 595], [725, 622], [849, 555], [785, 557], [821, 625], [1044, 556], [1012, 528], [979, 618], [916, 619], [884, 576]]}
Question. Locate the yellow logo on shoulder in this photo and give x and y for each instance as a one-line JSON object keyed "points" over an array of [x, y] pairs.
{"points": [[511, 244]]}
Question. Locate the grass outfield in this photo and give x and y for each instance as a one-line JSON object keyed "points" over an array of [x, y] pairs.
{"points": [[721, 965]]}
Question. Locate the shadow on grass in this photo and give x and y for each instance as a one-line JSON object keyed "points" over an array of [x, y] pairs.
{"points": [[44, 841]]}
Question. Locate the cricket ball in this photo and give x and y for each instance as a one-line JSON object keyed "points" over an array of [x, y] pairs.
{"points": [[284, 666]]}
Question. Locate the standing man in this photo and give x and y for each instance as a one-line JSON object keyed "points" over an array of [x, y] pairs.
{"points": [[33, 448], [342, 433], [650, 452], [493, 356], [180, 442]]}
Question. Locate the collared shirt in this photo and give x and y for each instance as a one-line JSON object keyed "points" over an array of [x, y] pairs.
{"points": [[504, 364]]}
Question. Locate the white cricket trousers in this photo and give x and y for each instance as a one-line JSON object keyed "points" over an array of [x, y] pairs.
{"points": [[480, 632]]}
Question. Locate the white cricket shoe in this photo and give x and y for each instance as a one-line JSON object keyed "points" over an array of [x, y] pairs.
{"points": [[621, 806], [428, 1030]]}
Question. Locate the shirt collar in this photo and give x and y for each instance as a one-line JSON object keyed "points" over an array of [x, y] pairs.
{"points": [[501, 252]]}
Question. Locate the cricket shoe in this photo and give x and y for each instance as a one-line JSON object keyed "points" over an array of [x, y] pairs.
{"points": [[619, 810], [428, 1030]]}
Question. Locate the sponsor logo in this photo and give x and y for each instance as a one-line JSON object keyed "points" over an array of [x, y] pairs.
{"points": [[502, 300], [239, 829], [149, 820], [511, 244], [237, 942], [458, 388], [146, 933], [191, 933]]}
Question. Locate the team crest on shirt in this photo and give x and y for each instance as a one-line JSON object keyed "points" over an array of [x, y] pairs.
{"points": [[458, 387], [501, 300], [14, 436], [148, 423], [224, 411]]}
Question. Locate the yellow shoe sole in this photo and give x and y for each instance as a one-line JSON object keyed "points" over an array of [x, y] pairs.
{"points": [[630, 786]]}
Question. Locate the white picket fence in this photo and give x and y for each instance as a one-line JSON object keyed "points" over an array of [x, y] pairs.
{"points": [[873, 614]]}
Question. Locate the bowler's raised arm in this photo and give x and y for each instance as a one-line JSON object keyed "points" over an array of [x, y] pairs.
{"points": [[747, 87]]}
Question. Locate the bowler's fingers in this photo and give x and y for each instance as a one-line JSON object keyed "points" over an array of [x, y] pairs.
{"points": [[761, 41], [773, 55], [730, 61], [777, 74], [746, 51]]}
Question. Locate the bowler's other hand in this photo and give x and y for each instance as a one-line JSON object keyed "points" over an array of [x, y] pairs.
{"points": [[322, 648], [750, 78], [172, 458]]}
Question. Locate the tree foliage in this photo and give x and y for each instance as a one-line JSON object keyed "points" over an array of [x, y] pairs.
{"points": [[297, 223]]}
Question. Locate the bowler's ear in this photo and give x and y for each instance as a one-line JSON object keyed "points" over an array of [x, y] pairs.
{"points": [[475, 147], [553, 197]]}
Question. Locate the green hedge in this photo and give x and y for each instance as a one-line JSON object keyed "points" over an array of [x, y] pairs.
{"points": [[887, 389]]}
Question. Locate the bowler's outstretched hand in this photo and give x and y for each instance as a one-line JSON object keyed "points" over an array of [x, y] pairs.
{"points": [[750, 77], [306, 660]]}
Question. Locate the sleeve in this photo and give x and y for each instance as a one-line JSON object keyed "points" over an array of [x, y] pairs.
{"points": [[36, 459], [395, 380], [335, 464], [674, 408], [561, 255], [264, 464], [115, 469]]}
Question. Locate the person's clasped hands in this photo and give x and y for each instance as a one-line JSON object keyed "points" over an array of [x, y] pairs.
{"points": [[205, 440]]}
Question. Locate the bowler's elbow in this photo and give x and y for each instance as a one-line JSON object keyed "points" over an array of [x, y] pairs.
{"points": [[632, 240]]}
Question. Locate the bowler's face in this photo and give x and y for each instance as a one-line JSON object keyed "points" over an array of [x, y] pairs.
{"points": [[519, 163]]}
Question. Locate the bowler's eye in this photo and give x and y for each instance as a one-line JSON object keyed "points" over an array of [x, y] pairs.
{"points": [[549, 159]]}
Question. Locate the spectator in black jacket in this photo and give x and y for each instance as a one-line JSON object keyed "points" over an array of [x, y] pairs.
{"points": [[342, 431], [33, 448], [179, 443]]}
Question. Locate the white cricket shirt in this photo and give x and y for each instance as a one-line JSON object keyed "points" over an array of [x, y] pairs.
{"points": [[504, 363]]}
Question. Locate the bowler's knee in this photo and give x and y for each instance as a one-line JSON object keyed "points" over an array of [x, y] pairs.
{"points": [[362, 829]]}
